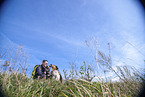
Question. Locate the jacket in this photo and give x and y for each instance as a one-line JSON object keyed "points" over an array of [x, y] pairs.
{"points": [[42, 71]]}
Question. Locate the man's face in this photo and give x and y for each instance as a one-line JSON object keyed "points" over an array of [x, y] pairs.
{"points": [[45, 63]]}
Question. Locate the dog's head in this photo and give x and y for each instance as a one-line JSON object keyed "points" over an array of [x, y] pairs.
{"points": [[54, 67]]}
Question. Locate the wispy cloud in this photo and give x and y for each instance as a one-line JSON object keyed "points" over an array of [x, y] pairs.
{"points": [[68, 40], [129, 50]]}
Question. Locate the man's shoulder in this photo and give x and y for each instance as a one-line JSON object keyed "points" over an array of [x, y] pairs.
{"points": [[39, 67]]}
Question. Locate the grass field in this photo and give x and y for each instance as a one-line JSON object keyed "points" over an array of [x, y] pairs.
{"points": [[77, 82], [16, 84]]}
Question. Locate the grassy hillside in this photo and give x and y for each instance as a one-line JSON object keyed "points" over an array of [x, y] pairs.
{"points": [[77, 83], [16, 84]]}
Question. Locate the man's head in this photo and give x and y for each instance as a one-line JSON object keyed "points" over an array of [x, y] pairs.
{"points": [[44, 63]]}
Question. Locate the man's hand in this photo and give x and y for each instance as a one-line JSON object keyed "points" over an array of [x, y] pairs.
{"points": [[47, 68]]}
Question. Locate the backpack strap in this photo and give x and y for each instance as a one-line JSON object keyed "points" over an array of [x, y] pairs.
{"points": [[34, 72]]}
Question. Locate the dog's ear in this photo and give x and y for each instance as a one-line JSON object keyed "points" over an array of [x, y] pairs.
{"points": [[56, 67], [50, 65]]}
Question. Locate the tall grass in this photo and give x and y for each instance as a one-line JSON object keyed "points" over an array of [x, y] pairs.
{"points": [[77, 82], [19, 85]]}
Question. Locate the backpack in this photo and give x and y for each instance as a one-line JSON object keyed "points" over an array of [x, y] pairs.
{"points": [[33, 76]]}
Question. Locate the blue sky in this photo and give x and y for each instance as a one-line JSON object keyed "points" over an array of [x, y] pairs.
{"points": [[56, 30]]}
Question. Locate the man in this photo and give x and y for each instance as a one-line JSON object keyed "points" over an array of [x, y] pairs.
{"points": [[43, 70]]}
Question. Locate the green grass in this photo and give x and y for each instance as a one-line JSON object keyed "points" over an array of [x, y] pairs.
{"points": [[77, 82], [19, 85]]}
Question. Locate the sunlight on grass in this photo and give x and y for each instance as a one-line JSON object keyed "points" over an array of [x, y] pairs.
{"points": [[77, 83]]}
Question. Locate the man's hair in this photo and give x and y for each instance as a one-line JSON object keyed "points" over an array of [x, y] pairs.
{"points": [[44, 61]]}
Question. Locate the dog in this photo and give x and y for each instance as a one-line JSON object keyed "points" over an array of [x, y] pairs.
{"points": [[55, 73]]}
